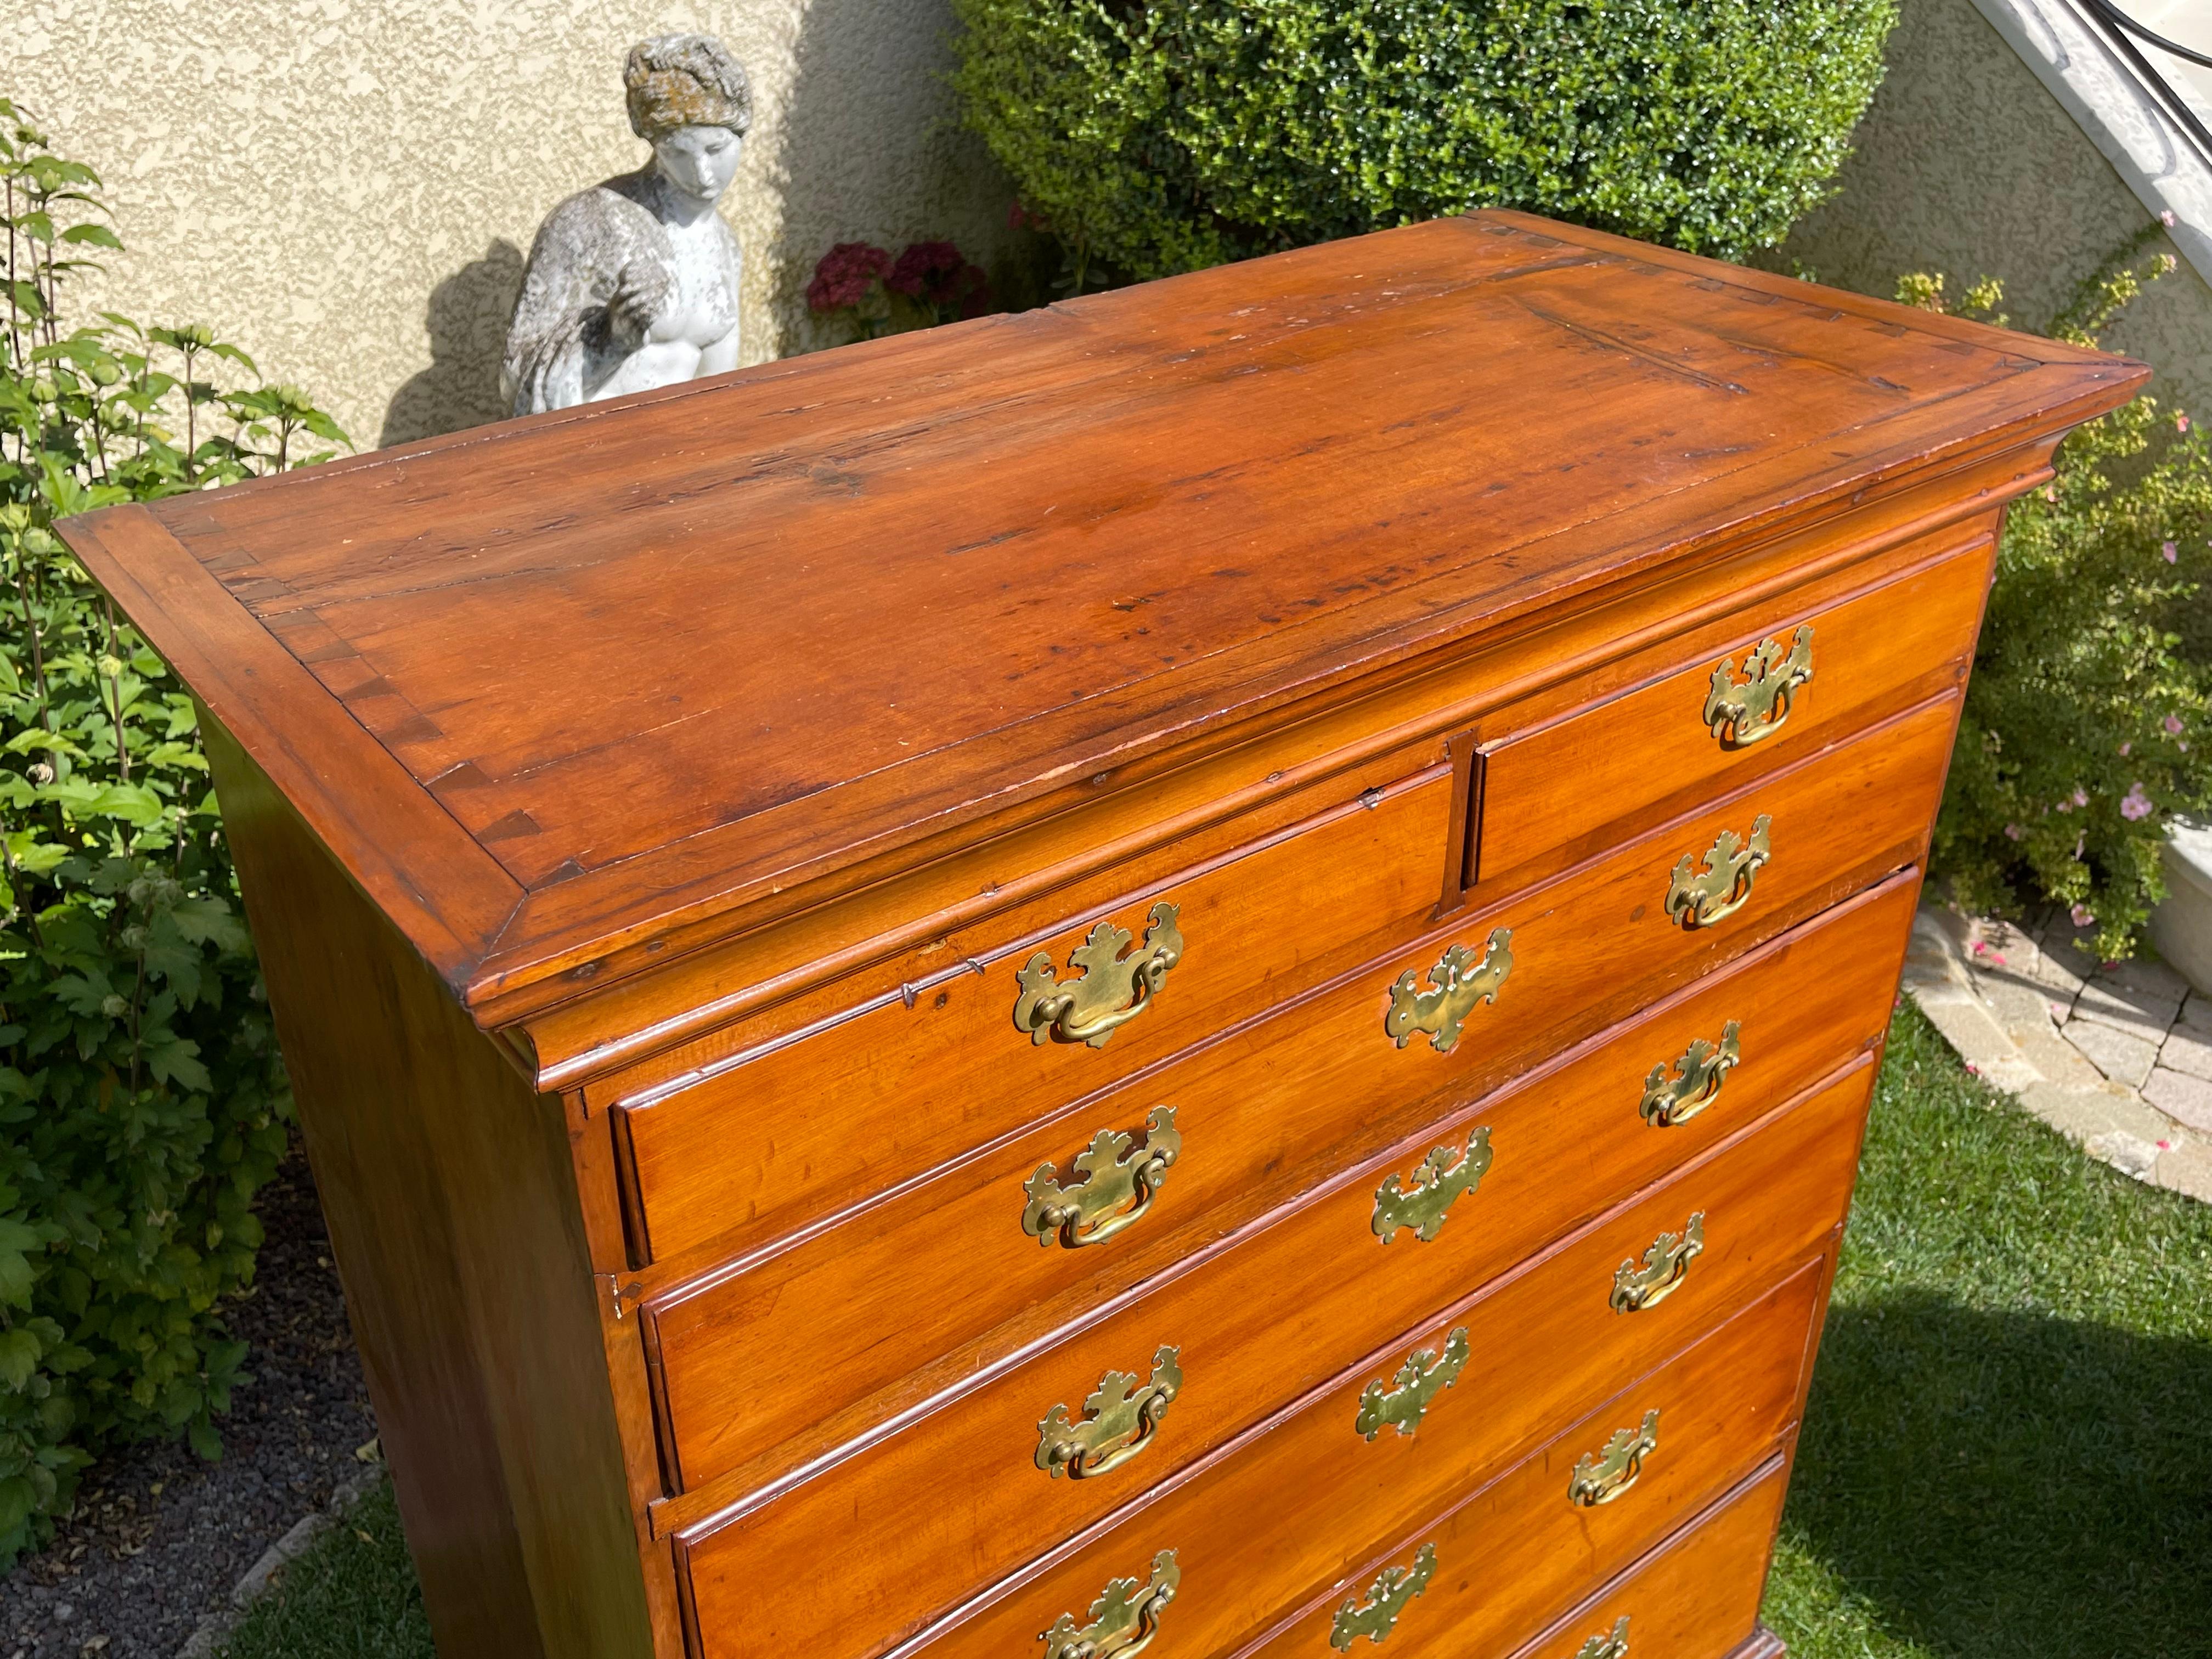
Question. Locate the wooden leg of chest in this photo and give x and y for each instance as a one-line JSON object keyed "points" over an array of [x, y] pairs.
{"points": [[447, 1184]]}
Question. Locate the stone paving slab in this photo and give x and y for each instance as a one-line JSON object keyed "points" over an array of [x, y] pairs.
{"points": [[2116, 1056]]}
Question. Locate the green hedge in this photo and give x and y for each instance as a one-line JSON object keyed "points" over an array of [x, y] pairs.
{"points": [[1166, 136], [142, 1098]]}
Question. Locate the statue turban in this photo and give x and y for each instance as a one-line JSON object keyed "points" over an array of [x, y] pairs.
{"points": [[678, 80]]}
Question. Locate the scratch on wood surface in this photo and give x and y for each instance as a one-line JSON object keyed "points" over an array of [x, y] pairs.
{"points": [[1606, 342]]}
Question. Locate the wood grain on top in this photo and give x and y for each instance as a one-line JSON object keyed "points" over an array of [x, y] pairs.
{"points": [[608, 671]]}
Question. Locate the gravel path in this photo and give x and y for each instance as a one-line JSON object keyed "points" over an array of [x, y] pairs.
{"points": [[159, 1537]]}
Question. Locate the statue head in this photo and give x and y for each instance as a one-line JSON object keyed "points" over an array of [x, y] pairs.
{"points": [[690, 100]]}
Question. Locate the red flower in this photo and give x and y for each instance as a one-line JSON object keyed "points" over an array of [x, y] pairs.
{"points": [[938, 274], [845, 275]]}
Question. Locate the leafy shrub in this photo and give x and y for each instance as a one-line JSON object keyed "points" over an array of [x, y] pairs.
{"points": [[1158, 136], [142, 1098], [2085, 722]]}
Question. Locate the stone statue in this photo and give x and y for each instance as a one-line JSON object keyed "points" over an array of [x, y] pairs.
{"points": [[633, 284]]}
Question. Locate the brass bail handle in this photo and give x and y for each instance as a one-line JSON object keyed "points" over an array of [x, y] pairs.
{"points": [[1109, 989], [1123, 1619], [1698, 897], [1741, 712], [1118, 1421], [1116, 1184], [1602, 1477]]}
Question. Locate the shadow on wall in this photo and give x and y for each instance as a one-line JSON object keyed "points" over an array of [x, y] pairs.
{"points": [[917, 173], [2002, 1483], [467, 318]]}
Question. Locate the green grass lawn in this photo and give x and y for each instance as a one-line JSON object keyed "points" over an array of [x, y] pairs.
{"points": [[2008, 1452]]}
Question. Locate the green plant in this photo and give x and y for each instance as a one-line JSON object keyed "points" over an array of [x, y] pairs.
{"points": [[2085, 727], [1158, 136], [142, 1098]]}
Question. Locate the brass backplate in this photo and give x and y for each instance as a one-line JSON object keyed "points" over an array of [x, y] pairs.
{"points": [[1401, 1403], [1459, 983], [1698, 897], [1123, 1619], [1696, 1083], [1116, 1189], [1118, 1421], [1444, 1175], [1607, 1645], [1743, 712], [1109, 989], [1600, 1477], [1377, 1616], [1669, 1259]]}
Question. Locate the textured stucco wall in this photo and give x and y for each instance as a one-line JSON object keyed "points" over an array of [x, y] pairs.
{"points": [[347, 188], [1966, 165]]}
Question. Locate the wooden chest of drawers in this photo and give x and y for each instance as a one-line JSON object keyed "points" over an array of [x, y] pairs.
{"points": [[1199, 968]]}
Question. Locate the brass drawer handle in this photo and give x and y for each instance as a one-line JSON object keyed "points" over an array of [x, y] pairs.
{"points": [[1376, 1616], [1118, 1422], [1125, 1617], [1108, 991], [1116, 1189], [1698, 899], [1444, 1173], [1743, 712], [1696, 1083], [1601, 1477], [1604, 1646], [1405, 1401], [1665, 1264], [1461, 983]]}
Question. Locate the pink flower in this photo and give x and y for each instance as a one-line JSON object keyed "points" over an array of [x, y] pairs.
{"points": [[2181, 423], [2080, 798], [2165, 218], [1972, 1070], [2171, 551], [2050, 492], [2165, 1146], [844, 276], [2082, 916], [2126, 748], [2014, 832], [2172, 723], [2136, 804], [1997, 956]]}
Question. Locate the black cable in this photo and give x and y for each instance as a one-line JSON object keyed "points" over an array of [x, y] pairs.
{"points": [[2113, 15], [2178, 107]]}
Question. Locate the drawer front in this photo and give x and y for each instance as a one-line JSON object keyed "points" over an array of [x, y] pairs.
{"points": [[1577, 785], [739, 1358], [946, 1509], [823, 1120], [1694, 1597], [1511, 1556], [1510, 1559]]}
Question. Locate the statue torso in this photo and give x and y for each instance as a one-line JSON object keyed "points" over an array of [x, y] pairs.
{"points": [[561, 347], [704, 259]]}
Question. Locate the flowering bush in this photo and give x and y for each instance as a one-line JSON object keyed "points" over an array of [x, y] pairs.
{"points": [[2086, 725], [142, 1099], [929, 284]]}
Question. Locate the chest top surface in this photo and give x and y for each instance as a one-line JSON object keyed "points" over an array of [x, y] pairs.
{"points": [[555, 684]]}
